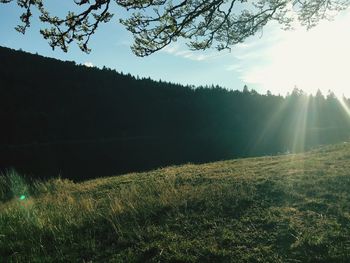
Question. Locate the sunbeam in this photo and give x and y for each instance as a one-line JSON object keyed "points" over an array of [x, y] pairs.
{"points": [[301, 124], [293, 126], [344, 104], [266, 135]]}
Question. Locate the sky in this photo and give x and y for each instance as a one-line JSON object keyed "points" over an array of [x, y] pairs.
{"points": [[274, 59]]}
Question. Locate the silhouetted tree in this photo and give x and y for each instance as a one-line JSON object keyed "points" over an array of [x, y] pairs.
{"points": [[155, 24], [245, 89]]}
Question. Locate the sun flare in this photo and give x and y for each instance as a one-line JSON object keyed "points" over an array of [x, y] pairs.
{"points": [[311, 60]]}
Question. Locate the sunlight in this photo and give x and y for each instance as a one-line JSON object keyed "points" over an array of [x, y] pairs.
{"points": [[345, 106], [267, 134], [295, 126], [311, 60], [301, 122]]}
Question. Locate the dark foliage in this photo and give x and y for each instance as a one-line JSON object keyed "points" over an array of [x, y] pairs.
{"points": [[60, 118]]}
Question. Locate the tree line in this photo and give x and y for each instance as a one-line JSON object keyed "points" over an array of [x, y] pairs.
{"points": [[61, 118]]}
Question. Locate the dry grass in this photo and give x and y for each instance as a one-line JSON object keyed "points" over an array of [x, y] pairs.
{"points": [[291, 208]]}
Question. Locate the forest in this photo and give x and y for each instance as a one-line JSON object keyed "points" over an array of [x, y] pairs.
{"points": [[78, 122]]}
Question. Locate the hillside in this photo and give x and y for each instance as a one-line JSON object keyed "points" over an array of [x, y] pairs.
{"points": [[64, 119], [289, 208]]}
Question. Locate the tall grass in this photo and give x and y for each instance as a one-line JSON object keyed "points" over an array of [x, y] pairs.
{"points": [[273, 209], [12, 185]]}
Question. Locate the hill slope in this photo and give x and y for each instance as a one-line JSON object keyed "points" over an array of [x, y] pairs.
{"points": [[290, 208]]}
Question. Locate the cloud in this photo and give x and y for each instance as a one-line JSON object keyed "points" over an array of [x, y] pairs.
{"points": [[252, 52], [234, 67], [88, 64], [184, 52]]}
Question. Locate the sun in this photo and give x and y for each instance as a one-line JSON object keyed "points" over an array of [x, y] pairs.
{"points": [[309, 59]]}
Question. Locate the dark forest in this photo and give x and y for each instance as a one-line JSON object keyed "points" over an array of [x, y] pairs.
{"points": [[59, 118]]}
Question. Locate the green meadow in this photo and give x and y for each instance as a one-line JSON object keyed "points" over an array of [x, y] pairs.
{"points": [[288, 208]]}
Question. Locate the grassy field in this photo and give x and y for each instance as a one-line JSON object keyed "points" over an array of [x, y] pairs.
{"points": [[289, 208]]}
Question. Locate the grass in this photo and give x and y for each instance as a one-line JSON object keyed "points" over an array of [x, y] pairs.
{"points": [[290, 208]]}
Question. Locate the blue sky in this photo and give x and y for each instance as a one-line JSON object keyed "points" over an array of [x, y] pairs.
{"points": [[276, 60]]}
